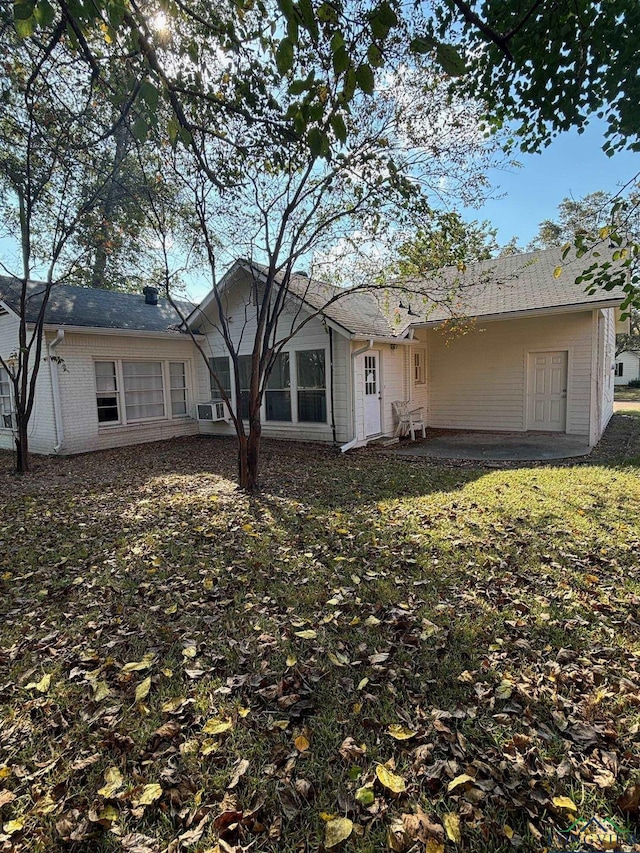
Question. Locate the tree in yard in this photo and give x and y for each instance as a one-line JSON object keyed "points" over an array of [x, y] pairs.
{"points": [[446, 240]]}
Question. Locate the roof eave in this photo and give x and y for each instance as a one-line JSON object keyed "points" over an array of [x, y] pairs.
{"points": [[528, 312], [103, 330]]}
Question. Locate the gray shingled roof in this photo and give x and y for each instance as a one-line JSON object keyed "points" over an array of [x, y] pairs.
{"points": [[504, 285], [92, 308]]}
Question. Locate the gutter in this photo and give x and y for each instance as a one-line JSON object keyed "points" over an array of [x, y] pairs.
{"points": [[354, 441], [55, 388]]}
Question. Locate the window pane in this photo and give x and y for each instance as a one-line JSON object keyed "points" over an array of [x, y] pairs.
{"points": [[6, 405], [244, 372], [312, 394], [278, 394], [143, 389], [178, 387], [105, 375], [220, 366], [107, 396], [107, 410]]}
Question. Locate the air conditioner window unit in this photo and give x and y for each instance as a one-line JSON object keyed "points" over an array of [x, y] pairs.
{"points": [[211, 411], [8, 420]]}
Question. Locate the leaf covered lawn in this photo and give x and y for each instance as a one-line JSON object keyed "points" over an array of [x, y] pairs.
{"points": [[373, 654]]}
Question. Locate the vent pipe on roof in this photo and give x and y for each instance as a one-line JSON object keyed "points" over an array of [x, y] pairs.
{"points": [[150, 295]]}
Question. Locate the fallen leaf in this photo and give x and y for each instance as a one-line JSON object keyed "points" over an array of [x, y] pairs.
{"points": [[241, 769], [451, 823], [142, 690], [41, 686], [306, 635], [216, 726], [391, 781], [6, 797], [365, 795], [629, 802], [100, 691], [150, 793], [189, 652], [337, 831], [13, 826], [301, 743], [136, 842], [565, 803], [114, 781], [139, 665], [459, 780], [433, 846], [504, 689], [400, 732]]}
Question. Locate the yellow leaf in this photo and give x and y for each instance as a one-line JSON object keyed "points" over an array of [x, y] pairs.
{"points": [[138, 665], [207, 583], [301, 743], [557, 272], [337, 831], [168, 673], [504, 689], [171, 609], [389, 780], [362, 683], [100, 691], [172, 705], [433, 846], [280, 724], [41, 686], [508, 831], [371, 621], [244, 712], [209, 746], [452, 827], [108, 813], [306, 635], [45, 805], [291, 661], [13, 826], [365, 795], [400, 732], [565, 803], [189, 652], [459, 780], [150, 793], [334, 660], [142, 690], [216, 726], [114, 781], [5, 772], [247, 528]]}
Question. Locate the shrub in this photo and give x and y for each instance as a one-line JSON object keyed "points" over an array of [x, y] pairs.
{"points": [[634, 383]]}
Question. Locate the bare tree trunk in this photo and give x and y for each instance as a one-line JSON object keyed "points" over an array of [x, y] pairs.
{"points": [[22, 447], [98, 275], [249, 457]]}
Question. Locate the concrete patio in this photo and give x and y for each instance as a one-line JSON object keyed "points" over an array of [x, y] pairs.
{"points": [[498, 447]]}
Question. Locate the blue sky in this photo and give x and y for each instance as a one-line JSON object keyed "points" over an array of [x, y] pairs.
{"points": [[573, 165]]}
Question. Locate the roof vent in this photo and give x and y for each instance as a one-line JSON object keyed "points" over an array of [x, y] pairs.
{"points": [[150, 295], [301, 273]]}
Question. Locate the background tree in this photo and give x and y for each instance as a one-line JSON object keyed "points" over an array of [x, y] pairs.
{"points": [[446, 240]]}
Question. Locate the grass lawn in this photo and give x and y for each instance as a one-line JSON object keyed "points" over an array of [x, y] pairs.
{"points": [[416, 656], [627, 395]]}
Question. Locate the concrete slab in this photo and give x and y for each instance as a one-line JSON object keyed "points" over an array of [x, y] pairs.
{"points": [[622, 406], [499, 447]]}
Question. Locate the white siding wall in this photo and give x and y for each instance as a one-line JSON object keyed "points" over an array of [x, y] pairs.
{"points": [[630, 368], [608, 364], [479, 380], [313, 335], [42, 437], [78, 389]]}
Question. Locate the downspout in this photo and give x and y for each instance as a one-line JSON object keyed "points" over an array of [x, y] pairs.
{"points": [[354, 355], [333, 409], [55, 389]]}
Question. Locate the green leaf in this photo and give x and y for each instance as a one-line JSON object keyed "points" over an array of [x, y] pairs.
{"points": [[374, 55], [25, 29], [422, 44], [23, 11], [140, 129], [315, 140], [365, 79], [308, 18], [386, 15], [284, 56], [44, 13], [341, 60], [339, 128], [150, 94], [450, 60]]}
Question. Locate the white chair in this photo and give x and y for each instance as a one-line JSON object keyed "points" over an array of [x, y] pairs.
{"points": [[409, 420]]}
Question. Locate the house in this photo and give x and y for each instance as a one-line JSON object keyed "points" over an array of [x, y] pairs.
{"points": [[527, 351], [627, 367]]}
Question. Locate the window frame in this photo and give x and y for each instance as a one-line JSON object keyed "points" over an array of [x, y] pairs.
{"points": [[12, 403], [166, 390], [419, 365], [619, 370]]}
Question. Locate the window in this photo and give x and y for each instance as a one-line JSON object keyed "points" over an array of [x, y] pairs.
{"points": [[107, 392], [133, 391], [312, 390], [178, 388], [6, 400], [244, 372], [419, 367], [220, 366], [619, 368], [278, 393], [143, 390]]}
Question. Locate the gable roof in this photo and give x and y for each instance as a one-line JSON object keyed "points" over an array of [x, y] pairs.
{"points": [[88, 307], [499, 287]]}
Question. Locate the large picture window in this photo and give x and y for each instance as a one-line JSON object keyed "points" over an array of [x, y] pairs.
{"points": [[6, 400], [220, 366], [134, 391], [312, 386], [278, 393]]}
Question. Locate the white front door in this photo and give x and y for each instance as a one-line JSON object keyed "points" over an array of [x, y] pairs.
{"points": [[547, 403], [372, 418]]}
